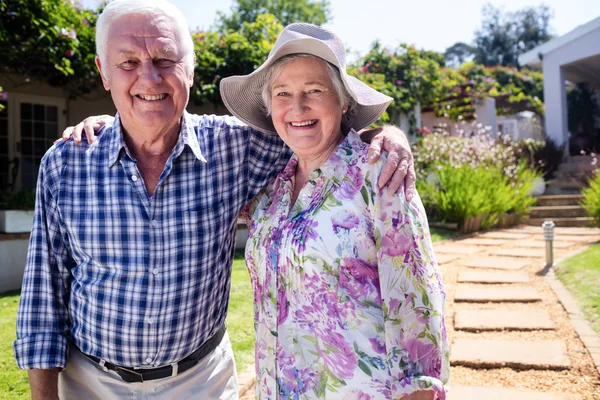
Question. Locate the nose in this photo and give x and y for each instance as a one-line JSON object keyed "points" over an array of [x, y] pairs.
{"points": [[299, 103], [150, 73]]}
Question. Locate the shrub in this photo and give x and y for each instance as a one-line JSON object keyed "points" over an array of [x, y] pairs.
{"points": [[456, 194], [591, 198], [19, 200], [545, 156]]}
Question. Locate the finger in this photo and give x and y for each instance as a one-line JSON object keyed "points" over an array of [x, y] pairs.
{"points": [[67, 133], [409, 183], [398, 177], [375, 149], [89, 127], [389, 169], [77, 132]]}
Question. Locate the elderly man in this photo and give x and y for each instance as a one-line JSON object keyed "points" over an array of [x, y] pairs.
{"points": [[128, 272]]}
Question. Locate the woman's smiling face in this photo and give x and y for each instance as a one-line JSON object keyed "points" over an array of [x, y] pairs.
{"points": [[305, 109]]}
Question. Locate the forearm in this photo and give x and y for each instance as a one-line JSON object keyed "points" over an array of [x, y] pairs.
{"points": [[366, 135], [43, 383], [420, 395]]}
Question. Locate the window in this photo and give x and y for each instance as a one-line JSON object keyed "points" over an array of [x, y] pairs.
{"points": [[5, 180]]}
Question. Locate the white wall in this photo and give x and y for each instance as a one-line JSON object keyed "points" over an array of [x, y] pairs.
{"points": [[554, 82], [14, 256]]}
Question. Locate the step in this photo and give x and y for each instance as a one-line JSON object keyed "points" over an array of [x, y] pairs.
{"points": [[492, 277], [560, 200], [504, 263], [445, 258], [562, 222], [505, 235], [557, 212], [541, 244], [497, 295], [486, 353], [483, 242], [491, 393], [497, 320]]}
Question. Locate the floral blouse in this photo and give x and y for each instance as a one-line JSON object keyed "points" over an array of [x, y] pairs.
{"points": [[348, 297]]}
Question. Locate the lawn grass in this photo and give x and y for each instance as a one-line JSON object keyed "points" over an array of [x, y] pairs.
{"points": [[240, 320], [13, 381], [438, 234], [581, 275]]}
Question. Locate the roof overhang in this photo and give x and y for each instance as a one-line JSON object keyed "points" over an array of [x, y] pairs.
{"points": [[535, 56]]}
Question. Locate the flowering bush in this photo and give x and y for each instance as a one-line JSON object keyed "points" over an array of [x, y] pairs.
{"points": [[591, 198]]}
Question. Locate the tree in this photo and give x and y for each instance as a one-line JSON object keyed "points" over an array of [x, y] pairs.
{"points": [[237, 52], [286, 12], [50, 40], [504, 36]]}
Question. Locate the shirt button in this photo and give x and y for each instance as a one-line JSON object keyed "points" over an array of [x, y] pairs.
{"points": [[133, 178], [155, 271], [150, 320], [154, 222], [148, 360]]}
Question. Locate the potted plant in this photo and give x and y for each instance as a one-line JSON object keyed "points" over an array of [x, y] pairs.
{"points": [[16, 211]]}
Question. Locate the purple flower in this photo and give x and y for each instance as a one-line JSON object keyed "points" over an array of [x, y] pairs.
{"points": [[282, 305], [338, 356], [303, 231], [346, 219], [351, 184], [397, 242], [4, 95], [377, 345]]}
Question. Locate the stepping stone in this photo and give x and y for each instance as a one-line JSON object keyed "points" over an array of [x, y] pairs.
{"points": [[564, 238], [520, 253], [505, 235], [483, 242], [494, 320], [445, 258], [533, 244], [489, 393], [485, 353], [492, 277], [577, 231], [505, 263], [497, 295], [457, 249]]}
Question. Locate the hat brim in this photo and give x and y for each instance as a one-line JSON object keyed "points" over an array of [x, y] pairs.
{"points": [[241, 94]]}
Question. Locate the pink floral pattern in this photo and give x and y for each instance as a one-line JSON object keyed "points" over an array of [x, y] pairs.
{"points": [[348, 297]]}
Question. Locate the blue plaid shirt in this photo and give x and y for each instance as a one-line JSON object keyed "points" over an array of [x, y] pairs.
{"points": [[132, 279]]}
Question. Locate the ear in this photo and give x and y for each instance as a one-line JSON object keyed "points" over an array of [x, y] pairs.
{"points": [[105, 80], [191, 76]]}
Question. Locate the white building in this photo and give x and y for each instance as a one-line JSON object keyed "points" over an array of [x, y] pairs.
{"points": [[573, 57]]}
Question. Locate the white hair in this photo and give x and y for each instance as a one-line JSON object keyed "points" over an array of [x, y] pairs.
{"points": [[339, 89], [118, 9]]}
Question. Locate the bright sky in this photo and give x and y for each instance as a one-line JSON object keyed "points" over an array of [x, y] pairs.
{"points": [[428, 24]]}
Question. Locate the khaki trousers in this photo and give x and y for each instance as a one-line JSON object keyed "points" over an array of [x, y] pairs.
{"points": [[214, 377]]}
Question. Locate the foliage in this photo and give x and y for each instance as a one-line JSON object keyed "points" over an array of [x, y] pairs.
{"points": [[504, 36], [14, 384], [458, 193], [408, 75], [231, 53], [50, 40], [581, 275], [545, 156], [591, 198], [286, 12], [439, 148], [583, 105], [18, 200]]}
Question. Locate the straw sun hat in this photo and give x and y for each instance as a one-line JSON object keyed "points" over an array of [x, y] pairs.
{"points": [[242, 94]]}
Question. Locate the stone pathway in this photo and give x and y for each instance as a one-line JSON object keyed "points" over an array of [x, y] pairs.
{"points": [[514, 333]]}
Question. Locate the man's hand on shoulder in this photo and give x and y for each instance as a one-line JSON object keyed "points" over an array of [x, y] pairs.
{"points": [[399, 166]]}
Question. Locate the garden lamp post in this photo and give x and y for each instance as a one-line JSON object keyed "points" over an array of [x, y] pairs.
{"points": [[548, 227]]}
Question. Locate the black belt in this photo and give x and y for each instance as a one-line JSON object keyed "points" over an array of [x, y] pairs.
{"points": [[141, 375]]}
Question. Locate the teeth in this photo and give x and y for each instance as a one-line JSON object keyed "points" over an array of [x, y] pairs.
{"points": [[305, 123], [152, 97]]}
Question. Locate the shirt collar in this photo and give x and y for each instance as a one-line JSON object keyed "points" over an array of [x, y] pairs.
{"points": [[187, 136]]}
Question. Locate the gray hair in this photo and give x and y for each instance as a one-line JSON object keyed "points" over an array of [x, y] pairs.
{"points": [[342, 94], [118, 9]]}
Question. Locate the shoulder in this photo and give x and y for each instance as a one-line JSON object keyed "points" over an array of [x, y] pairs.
{"points": [[220, 122]]}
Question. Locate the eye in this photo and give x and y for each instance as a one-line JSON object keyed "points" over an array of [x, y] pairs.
{"points": [[315, 91], [164, 62], [129, 64], [281, 94]]}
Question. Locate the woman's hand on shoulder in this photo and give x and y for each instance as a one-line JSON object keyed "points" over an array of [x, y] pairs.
{"points": [[90, 126]]}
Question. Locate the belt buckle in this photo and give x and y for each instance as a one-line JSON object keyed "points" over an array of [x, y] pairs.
{"points": [[139, 376]]}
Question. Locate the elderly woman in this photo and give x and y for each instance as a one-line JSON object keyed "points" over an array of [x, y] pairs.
{"points": [[348, 297]]}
